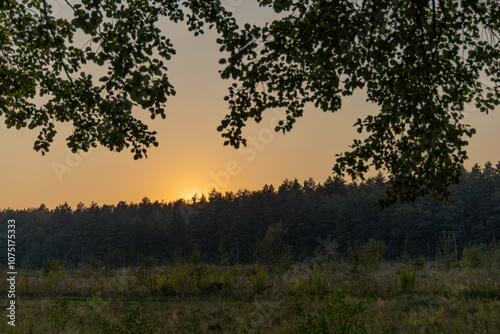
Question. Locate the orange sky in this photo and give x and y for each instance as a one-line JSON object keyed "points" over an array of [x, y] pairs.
{"points": [[191, 156]]}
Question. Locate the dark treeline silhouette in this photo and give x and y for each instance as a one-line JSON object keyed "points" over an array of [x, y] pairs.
{"points": [[225, 228]]}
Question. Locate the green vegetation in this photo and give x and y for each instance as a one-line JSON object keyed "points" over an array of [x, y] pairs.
{"points": [[337, 315], [259, 281], [367, 256], [293, 260], [480, 255], [272, 250], [407, 279], [306, 298], [448, 251]]}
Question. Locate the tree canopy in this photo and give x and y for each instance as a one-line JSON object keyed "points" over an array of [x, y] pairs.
{"points": [[421, 62], [40, 58]]}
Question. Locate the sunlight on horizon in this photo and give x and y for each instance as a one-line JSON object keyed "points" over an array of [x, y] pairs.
{"points": [[191, 157]]}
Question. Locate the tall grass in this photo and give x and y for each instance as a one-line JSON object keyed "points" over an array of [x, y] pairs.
{"points": [[310, 297]]}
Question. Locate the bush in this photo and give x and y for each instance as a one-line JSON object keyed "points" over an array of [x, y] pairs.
{"points": [[95, 263], [146, 262], [142, 278], [368, 256], [326, 252], [181, 281], [315, 285], [51, 265], [59, 314], [196, 257], [259, 281], [177, 257], [447, 252], [96, 302], [272, 250], [163, 284], [338, 315], [407, 279], [417, 263], [491, 257], [473, 255], [134, 322]]}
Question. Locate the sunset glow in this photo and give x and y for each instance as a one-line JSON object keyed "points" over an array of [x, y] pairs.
{"points": [[191, 157]]}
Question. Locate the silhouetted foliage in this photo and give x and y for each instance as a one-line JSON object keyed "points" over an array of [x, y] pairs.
{"points": [[421, 62]]}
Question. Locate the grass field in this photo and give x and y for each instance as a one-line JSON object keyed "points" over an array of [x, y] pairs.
{"points": [[331, 297]]}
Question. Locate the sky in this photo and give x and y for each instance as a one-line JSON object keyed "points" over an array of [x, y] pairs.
{"points": [[191, 157]]}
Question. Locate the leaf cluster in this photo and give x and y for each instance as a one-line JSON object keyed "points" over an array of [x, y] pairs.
{"points": [[421, 62], [45, 72]]}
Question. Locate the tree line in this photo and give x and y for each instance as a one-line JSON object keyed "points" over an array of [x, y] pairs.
{"points": [[227, 228]]}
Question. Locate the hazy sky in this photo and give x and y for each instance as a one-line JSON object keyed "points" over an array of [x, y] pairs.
{"points": [[191, 156]]}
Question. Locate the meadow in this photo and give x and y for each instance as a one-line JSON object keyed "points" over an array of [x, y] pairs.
{"points": [[355, 293]]}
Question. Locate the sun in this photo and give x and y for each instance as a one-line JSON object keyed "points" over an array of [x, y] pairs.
{"points": [[188, 197]]}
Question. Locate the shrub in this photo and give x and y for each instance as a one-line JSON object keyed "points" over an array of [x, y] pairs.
{"points": [[473, 255], [96, 302], [146, 262], [417, 263], [368, 256], [134, 322], [59, 314], [121, 285], [491, 256], [447, 252], [142, 278], [259, 281], [227, 278], [164, 284], [196, 257], [51, 265], [272, 250], [315, 285], [177, 257], [225, 258], [407, 279], [326, 252], [180, 281], [338, 315], [95, 263]]}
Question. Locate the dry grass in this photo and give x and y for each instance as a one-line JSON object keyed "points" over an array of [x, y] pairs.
{"points": [[205, 299]]}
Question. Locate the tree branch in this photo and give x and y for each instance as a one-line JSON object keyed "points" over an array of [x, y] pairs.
{"points": [[59, 52]]}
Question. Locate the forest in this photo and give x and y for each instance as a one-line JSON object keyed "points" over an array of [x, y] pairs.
{"points": [[232, 228]]}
